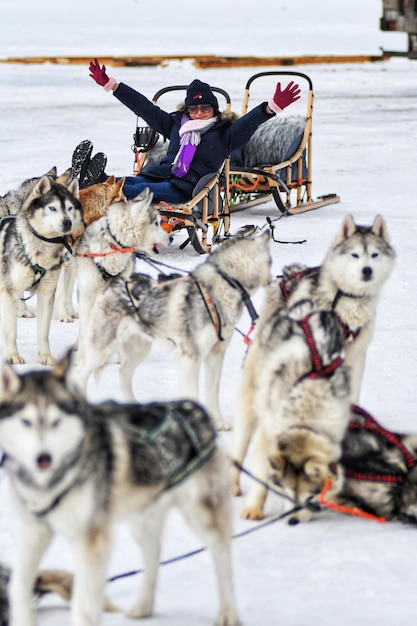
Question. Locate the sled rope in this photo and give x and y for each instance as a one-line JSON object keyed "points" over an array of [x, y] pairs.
{"points": [[187, 555], [345, 509], [272, 227]]}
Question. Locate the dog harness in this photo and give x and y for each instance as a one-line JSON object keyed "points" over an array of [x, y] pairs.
{"points": [[369, 423], [37, 269], [318, 371], [287, 289], [179, 442]]}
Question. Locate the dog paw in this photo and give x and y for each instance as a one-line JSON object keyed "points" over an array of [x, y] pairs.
{"points": [[67, 318], [15, 359], [26, 314], [252, 513], [141, 609], [47, 359], [228, 618]]}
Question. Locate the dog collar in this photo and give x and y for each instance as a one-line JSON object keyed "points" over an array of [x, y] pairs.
{"points": [[344, 294], [62, 240]]}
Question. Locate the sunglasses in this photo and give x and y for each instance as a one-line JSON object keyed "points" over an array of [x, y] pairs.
{"points": [[204, 108]]}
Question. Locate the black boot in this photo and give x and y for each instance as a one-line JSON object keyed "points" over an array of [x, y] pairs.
{"points": [[95, 171], [80, 159]]}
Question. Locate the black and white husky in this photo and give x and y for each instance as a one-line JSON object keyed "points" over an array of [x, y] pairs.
{"points": [[77, 468], [32, 247]]}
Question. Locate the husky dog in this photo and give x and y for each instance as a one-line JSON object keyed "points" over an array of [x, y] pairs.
{"points": [[97, 198], [196, 314], [32, 246], [378, 468], [76, 468], [348, 282], [12, 201], [95, 201], [294, 402], [106, 248]]}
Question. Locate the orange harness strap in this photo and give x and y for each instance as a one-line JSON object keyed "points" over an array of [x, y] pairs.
{"points": [[345, 509]]}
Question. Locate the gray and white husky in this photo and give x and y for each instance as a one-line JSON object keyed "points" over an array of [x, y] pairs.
{"points": [[12, 201], [195, 314], [105, 248], [32, 247], [348, 282], [293, 402], [77, 468]]}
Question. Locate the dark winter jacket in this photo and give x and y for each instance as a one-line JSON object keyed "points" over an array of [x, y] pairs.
{"points": [[216, 144]]}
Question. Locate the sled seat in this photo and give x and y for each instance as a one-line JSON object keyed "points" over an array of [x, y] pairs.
{"points": [[206, 215], [276, 163]]}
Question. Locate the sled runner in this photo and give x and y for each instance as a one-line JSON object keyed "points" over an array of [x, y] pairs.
{"points": [[276, 163], [206, 215]]}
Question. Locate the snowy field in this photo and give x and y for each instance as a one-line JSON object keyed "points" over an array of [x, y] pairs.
{"points": [[335, 570]]}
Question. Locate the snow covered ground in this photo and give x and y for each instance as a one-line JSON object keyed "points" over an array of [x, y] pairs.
{"points": [[336, 570]]}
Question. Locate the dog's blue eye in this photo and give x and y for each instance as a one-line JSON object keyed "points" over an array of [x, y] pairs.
{"points": [[374, 255], [56, 423], [26, 422], [52, 208], [355, 256]]}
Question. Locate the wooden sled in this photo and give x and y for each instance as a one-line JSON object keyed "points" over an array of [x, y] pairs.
{"points": [[285, 178]]}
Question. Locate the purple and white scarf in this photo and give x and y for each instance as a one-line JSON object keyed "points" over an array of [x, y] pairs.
{"points": [[190, 136]]}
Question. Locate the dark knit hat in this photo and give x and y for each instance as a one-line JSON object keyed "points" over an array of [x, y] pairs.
{"points": [[201, 93]]}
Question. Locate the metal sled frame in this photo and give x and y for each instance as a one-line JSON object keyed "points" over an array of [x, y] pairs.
{"points": [[251, 186], [211, 194]]}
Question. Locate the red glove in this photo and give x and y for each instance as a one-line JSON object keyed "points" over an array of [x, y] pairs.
{"points": [[284, 98], [98, 74]]}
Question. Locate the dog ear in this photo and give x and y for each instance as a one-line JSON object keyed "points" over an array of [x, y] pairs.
{"points": [[74, 188], [316, 468], [63, 366], [111, 180], [52, 173], [9, 383], [379, 227], [64, 178], [42, 187], [277, 461], [347, 228]]}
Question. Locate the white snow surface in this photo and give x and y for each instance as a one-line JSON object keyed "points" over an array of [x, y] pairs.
{"points": [[338, 569]]}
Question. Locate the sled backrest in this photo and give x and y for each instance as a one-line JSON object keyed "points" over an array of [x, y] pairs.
{"points": [[276, 161]]}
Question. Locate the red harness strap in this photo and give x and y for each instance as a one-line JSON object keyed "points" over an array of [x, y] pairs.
{"points": [[318, 370], [299, 276], [371, 424]]}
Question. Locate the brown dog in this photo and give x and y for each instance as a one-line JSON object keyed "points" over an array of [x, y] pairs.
{"points": [[97, 198]]}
